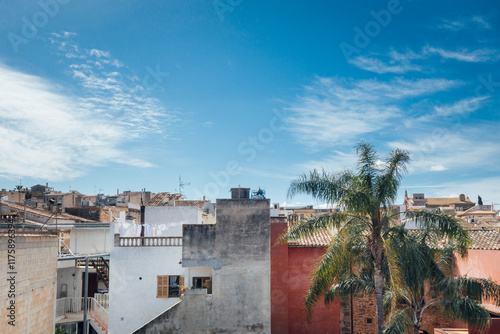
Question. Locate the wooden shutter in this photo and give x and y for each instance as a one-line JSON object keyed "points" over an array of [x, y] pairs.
{"points": [[162, 286], [181, 282]]}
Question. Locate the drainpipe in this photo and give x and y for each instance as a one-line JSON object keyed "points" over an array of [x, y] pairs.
{"points": [[143, 211], [85, 299]]}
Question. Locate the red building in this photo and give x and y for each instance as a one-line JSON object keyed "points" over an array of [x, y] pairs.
{"points": [[292, 264]]}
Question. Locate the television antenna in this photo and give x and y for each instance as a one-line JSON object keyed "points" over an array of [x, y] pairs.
{"points": [[182, 184]]}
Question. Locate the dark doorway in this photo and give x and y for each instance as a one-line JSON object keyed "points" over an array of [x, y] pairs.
{"points": [[92, 284]]}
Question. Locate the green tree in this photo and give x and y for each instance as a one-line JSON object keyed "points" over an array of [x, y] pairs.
{"points": [[357, 250], [422, 279]]}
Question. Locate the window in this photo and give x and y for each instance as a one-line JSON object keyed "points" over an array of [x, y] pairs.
{"points": [[203, 283], [169, 286]]}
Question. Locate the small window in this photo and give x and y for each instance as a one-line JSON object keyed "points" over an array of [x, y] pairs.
{"points": [[369, 320], [169, 286], [203, 283]]}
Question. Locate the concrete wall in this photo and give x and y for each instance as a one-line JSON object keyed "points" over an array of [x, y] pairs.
{"points": [[242, 287], [90, 240], [174, 216], [35, 284]]}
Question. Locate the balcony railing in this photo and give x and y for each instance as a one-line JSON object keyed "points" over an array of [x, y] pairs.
{"points": [[72, 307], [149, 241]]}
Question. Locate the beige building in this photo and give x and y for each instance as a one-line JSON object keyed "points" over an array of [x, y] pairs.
{"points": [[27, 281], [447, 204], [13, 196]]}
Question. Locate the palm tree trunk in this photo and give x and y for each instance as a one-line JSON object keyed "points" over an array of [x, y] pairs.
{"points": [[379, 298]]}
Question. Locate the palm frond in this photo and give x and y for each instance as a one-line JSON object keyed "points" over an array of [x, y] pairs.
{"points": [[399, 322], [388, 182], [441, 225], [311, 226], [345, 250], [367, 159], [467, 310]]}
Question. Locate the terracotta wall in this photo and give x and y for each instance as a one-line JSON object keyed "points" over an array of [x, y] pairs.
{"points": [[480, 263], [290, 270]]}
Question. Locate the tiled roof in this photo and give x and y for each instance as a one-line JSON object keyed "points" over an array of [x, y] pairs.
{"points": [[486, 239], [14, 207], [191, 203], [477, 212], [162, 199], [321, 239], [447, 201]]}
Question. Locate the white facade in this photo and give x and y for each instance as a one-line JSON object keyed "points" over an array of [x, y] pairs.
{"points": [[133, 272]]}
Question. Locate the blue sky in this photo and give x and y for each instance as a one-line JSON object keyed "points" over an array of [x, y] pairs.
{"points": [[106, 95]]}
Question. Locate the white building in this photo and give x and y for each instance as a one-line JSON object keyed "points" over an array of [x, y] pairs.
{"points": [[146, 273]]}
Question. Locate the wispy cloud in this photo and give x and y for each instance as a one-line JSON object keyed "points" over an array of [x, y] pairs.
{"points": [[397, 63], [109, 88], [50, 133], [461, 107], [442, 150], [475, 56], [475, 22], [334, 111]]}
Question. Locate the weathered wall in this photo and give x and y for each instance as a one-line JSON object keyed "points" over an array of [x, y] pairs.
{"points": [[279, 278], [239, 252], [35, 284], [326, 320], [198, 246], [191, 315], [241, 288]]}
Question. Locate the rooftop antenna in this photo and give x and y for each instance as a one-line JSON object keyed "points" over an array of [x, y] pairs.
{"points": [[182, 184]]}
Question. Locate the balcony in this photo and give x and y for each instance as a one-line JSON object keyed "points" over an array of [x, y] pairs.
{"points": [[148, 241], [71, 309]]}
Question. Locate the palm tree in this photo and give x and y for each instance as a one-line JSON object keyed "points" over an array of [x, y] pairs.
{"points": [[365, 198], [424, 279]]}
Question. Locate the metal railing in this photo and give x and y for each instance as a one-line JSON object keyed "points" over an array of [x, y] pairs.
{"points": [[149, 241], [64, 249], [69, 305], [74, 306]]}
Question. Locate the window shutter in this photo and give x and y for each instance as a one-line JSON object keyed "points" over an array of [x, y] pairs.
{"points": [[161, 286], [181, 282]]}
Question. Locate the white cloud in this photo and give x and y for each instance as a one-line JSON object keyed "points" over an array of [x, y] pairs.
{"points": [[452, 25], [481, 55], [50, 134], [334, 111], [451, 148], [398, 63], [47, 135], [461, 107], [109, 90], [482, 23], [438, 168], [477, 22]]}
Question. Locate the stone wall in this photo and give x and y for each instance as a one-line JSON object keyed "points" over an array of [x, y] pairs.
{"points": [[35, 283]]}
